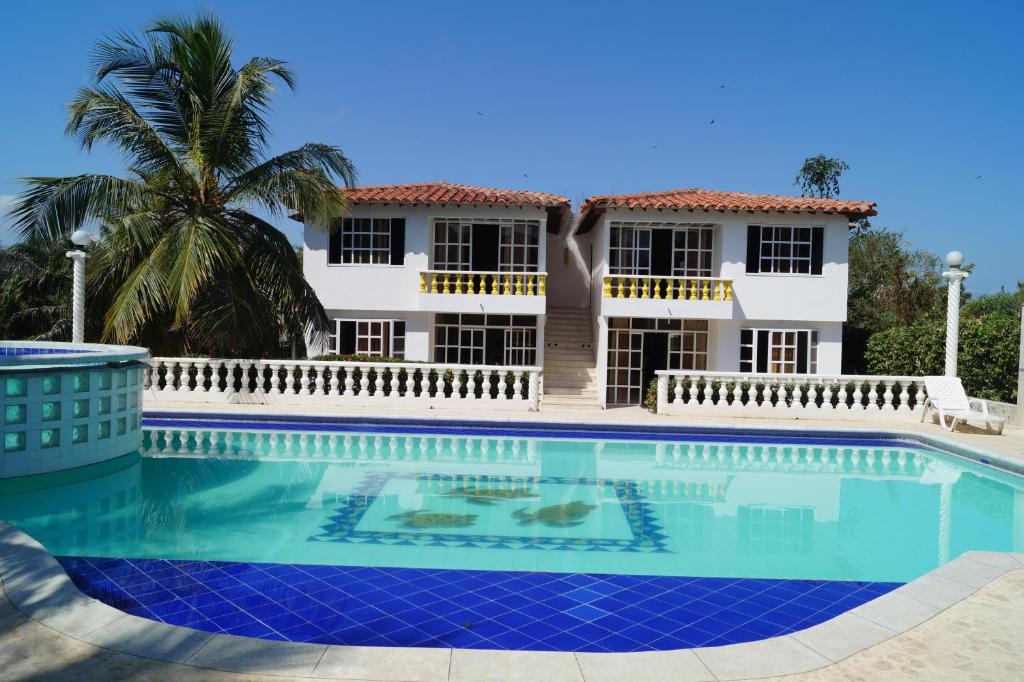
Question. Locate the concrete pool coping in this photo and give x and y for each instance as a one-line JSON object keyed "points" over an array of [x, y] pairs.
{"points": [[37, 585]]}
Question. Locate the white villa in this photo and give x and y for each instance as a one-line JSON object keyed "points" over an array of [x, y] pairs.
{"points": [[635, 283]]}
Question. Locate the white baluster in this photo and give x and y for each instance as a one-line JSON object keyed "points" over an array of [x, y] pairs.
{"points": [[364, 381], [798, 396], [737, 393], [873, 396], [502, 385], [485, 393], [304, 377], [456, 384], [320, 370], [843, 400], [904, 405], [378, 382], [394, 384], [517, 386], [425, 382], [350, 381], [410, 383], [826, 395], [677, 389], [887, 403], [858, 396]]}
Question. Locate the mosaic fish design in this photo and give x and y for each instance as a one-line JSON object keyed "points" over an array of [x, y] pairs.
{"points": [[424, 518], [489, 495], [557, 515]]}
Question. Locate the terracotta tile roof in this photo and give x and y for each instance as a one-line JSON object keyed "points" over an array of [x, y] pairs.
{"points": [[449, 193], [713, 200]]}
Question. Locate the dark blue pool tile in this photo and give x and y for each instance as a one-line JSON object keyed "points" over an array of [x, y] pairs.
{"points": [[463, 609]]}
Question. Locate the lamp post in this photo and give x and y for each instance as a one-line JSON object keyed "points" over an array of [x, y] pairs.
{"points": [[954, 259], [79, 238]]}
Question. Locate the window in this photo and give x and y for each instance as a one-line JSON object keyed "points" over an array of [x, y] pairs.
{"points": [[368, 241], [473, 339], [520, 246], [629, 250], [779, 351], [375, 338], [691, 252], [784, 249], [688, 349], [453, 243]]}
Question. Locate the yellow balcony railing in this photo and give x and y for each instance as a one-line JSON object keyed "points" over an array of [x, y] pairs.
{"points": [[668, 288], [487, 283]]}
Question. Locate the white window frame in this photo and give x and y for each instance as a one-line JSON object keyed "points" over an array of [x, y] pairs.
{"points": [[520, 344], [519, 243], [463, 244], [687, 355], [395, 347], [775, 335], [627, 255], [704, 251], [783, 253], [363, 246], [625, 367], [524, 353]]}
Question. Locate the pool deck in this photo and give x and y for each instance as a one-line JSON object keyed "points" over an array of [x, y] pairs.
{"points": [[956, 622]]}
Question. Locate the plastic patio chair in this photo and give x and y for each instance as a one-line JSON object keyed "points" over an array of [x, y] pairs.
{"points": [[947, 396]]}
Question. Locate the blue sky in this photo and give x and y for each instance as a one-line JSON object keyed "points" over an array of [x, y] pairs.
{"points": [[594, 97]]}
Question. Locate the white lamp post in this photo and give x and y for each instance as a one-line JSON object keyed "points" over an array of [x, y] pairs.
{"points": [[954, 259], [79, 238]]}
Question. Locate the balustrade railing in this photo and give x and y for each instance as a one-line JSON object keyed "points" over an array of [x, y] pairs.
{"points": [[668, 288], [305, 381], [684, 392], [490, 283]]}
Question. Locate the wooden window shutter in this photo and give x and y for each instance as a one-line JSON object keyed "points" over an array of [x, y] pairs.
{"points": [[753, 248], [817, 249], [763, 342], [398, 241], [334, 246]]}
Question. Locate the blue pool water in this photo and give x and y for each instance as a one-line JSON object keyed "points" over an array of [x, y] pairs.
{"points": [[293, 533]]}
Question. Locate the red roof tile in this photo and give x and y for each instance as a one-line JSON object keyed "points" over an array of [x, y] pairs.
{"points": [[449, 193], [713, 200]]}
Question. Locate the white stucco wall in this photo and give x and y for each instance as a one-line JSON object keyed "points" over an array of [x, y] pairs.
{"points": [[759, 296], [396, 287]]}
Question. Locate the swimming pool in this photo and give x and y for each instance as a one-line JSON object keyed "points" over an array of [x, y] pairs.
{"points": [[621, 540]]}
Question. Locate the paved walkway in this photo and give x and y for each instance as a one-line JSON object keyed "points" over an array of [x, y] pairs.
{"points": [[974, 639]]}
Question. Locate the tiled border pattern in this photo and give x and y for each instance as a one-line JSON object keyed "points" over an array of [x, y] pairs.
{"points": [[554, 429], [464, 609], [645, 530]]}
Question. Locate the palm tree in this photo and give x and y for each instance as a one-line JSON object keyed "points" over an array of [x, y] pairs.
{"points": [[35, 287], [187, 263]]}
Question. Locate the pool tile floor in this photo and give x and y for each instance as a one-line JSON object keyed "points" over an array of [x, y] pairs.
{"points": [[463, 609]]}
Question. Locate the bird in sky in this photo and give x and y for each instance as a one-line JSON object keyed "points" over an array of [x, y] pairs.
{"points": [[977, 177], [479, 113], [712, 122]]}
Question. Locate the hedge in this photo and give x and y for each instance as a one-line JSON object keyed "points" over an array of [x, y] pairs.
{"points": [[988, 356]]}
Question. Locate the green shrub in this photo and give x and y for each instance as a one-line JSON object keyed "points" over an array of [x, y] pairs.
{"points": [[987, 362]]}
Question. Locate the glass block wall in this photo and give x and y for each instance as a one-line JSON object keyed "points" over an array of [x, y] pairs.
{"points": [[56, 418]]}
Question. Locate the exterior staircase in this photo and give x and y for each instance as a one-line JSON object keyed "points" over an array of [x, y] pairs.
{"points": [[570, 372]]}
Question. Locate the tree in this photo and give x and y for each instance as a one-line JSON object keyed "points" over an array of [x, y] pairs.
{"points": [[890, 285], [819, 176], [184, 257], [35, 287]]}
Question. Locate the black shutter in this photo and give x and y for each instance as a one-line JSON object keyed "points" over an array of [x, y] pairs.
{"points": [[398, 241], [753, 248], [334, 247], [347, 338], [817, 249], [803, 351], [762, 351]]}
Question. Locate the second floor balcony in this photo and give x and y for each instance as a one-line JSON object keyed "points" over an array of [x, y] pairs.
{"points": [[661, 296], [483, 291]]}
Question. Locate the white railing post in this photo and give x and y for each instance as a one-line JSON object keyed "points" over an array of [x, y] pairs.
{"points": [[534, 388], [662, 393]]}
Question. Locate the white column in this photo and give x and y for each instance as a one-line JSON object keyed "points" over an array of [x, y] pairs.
{"points": [[954, 259], [1020, 375], [77, 295]]}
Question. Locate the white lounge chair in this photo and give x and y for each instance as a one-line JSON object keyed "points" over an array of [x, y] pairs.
{"points": [[947, 395]]}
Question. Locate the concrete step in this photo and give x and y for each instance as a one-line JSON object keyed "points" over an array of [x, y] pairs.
{"points": [[560, 386], [572, 392]]}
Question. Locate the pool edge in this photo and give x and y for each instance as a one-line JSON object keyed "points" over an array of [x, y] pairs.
{"points": [[37, 585]]}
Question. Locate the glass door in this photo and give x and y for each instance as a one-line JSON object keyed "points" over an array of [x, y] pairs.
{"points": [[625, 367]]}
